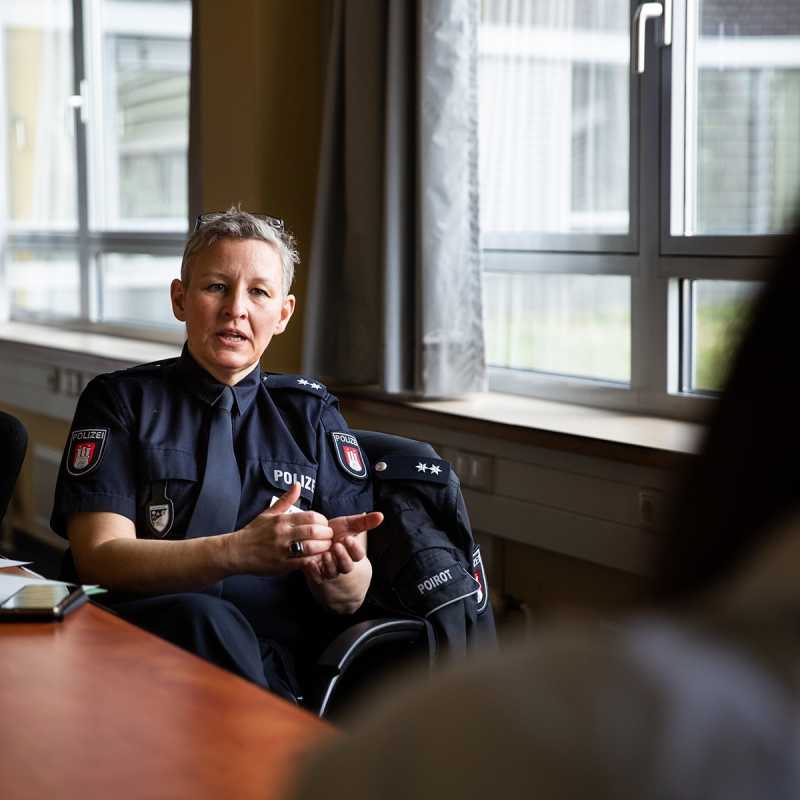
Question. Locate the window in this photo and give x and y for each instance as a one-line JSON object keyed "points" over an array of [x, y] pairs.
{"points": [[627, 216], [94, 176]]}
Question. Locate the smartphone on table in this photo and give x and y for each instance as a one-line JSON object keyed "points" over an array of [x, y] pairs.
{"points": [[48, 602]]}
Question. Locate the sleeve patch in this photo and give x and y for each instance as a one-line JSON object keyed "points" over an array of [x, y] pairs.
{"points": [[479, 573], [86, 448], [348, 454]]}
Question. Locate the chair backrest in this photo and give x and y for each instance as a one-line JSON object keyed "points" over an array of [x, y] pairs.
{"points": [[13, 444], [371, 651]]}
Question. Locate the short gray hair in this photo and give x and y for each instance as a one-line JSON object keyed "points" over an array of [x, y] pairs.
{"points": [[236, 223]]}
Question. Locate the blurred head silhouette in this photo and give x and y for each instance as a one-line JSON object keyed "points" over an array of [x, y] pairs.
{"points": [[746, 479]]}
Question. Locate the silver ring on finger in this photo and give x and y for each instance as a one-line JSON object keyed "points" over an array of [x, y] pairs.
{"points": [[296, 549]]}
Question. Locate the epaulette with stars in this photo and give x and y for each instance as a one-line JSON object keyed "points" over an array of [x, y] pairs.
{"points": [[411, 468], [298, 382]]}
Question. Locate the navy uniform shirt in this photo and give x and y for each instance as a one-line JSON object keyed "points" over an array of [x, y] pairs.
{"points": [[139, 438]]}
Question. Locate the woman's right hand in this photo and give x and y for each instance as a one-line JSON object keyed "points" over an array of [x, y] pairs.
{"points": [[262, 547]]}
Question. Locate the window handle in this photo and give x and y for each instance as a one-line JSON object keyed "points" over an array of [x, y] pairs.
{"points": [[81, 101], [643, 13]]}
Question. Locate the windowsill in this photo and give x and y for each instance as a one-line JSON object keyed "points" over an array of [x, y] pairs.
{"points": [[617, 435], [96, 345]]}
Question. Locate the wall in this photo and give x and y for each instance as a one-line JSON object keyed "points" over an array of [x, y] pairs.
{"points": [[261, 85]]}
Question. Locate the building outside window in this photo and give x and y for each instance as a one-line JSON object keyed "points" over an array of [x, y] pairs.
{"points": [[627, 216], [94, 175]]}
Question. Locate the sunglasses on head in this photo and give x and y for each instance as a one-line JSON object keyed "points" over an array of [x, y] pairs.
{"points": [[203, 219]]}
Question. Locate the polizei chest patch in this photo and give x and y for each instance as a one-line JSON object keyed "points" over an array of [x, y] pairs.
{"points": [[86, 448], [348, 454]]}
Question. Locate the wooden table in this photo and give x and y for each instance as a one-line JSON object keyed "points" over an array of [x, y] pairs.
{"points": [[94, 707]]}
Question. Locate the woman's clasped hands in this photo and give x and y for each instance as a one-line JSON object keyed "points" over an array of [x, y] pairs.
{"points": [[283, 538]]}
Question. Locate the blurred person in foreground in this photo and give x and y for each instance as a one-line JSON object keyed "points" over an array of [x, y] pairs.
{"points": [[697, 699], [225, 508]]}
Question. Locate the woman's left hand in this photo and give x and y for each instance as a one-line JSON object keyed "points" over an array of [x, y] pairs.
{"points": [[349, 547]]}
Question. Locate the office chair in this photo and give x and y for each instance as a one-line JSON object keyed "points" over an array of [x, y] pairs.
{"points": [[396, 628], [13, 444]]}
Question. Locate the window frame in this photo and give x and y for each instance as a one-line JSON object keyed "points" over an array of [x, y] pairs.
{"points": [[89, 242], [660, 265]]}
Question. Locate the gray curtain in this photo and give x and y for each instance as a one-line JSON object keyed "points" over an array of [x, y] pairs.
{"points": [[395, 285]]}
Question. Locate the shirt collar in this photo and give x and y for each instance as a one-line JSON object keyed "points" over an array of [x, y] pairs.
{"points": [[205, 386]]}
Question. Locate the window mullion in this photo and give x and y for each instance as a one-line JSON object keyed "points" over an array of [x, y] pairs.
{"points": [[648, 290], [686, 335], [84, 252]]}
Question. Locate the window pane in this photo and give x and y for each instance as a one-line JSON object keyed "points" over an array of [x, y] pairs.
{"points": [[39, 174], [140, 171], [742, 114], [554, 116], [134, 289], [721, 314], [45, 283], [569, 324]]}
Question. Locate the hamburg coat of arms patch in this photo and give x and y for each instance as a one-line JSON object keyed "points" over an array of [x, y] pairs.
{"points": [[86, 448], [349, 454]]}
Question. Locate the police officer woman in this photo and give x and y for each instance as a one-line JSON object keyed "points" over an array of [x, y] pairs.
{"points": [[225, 508]]}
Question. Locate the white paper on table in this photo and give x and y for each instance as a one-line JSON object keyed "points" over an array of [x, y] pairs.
{"points": [[7, 562]]}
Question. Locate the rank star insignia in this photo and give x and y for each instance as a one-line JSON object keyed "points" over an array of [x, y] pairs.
{"points": [[303, 382], [422, 467], [316, 386], [435, 470]]}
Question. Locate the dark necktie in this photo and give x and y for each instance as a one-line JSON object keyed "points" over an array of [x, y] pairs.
{"points": [[217, 504]]}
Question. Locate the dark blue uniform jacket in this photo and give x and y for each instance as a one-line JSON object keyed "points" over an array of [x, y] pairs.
{"points": [[138, 442]]}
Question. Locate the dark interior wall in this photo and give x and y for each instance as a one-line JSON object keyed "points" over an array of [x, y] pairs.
{"points": [[261, 83]]}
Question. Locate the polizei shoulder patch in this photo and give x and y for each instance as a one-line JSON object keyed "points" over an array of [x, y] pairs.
{"points": [[348, 454], [86, 447]]}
